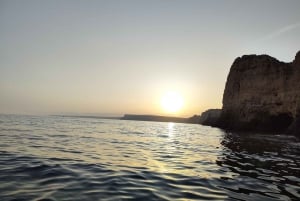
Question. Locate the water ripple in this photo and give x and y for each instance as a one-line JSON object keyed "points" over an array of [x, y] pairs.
{"points": [[55, 158]]}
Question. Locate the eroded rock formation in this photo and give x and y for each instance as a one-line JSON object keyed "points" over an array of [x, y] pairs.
{"points": [[262, 94]]}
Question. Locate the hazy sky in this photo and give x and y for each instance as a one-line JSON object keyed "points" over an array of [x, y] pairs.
{"points": [[121, 56]]}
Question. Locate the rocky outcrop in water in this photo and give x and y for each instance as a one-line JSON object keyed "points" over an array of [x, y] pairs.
{"points": [[194, 119], [262, 94], [210, 117]]}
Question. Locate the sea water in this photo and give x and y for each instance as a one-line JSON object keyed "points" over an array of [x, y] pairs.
{"points": [[71, 158]]}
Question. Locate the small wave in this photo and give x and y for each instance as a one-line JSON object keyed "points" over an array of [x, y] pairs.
{"points": [[14, 130]]}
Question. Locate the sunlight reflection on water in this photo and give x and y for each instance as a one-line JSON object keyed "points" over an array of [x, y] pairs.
{"points": [[170, 127]]}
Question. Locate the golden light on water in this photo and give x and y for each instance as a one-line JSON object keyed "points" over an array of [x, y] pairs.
{"points": [[170, 128], [172, 102]]}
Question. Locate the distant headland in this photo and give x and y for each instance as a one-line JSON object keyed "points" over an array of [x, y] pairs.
{"points": [[194, 119]]}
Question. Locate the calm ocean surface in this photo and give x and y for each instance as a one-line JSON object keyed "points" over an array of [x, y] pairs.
{"points": [[65, 158]]}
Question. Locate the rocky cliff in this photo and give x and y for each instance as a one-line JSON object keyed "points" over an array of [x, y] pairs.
{"points": [[210, 117], [262, 94]]}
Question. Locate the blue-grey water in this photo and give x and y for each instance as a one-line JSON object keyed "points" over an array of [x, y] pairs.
{"points": [[65, 158]]}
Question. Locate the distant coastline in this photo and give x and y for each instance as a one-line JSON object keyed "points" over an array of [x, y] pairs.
{"points": [[154, 118], [88, 116], [136, 117]]}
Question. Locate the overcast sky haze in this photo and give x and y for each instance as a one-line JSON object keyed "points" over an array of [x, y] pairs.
{"points": [[116, 57]]}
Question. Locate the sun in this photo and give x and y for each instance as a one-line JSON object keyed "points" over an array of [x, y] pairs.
{"points": [[172, 102]]}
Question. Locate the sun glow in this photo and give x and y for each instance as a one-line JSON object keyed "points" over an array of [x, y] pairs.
{"points": [[172, 102]]}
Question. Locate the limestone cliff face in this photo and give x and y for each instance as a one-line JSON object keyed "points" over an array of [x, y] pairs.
{"points": [[261, 94]]}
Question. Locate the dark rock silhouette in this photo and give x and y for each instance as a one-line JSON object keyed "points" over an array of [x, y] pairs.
{"points": [[262, 94], [153, 118], [192, 120], [210, 117]]}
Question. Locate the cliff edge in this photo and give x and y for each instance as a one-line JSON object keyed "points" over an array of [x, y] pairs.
{"points": [[262, 94]]}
